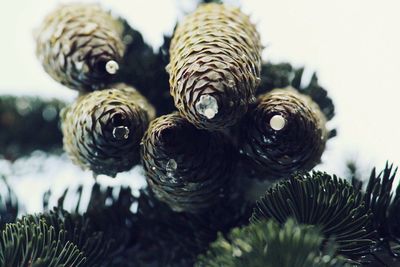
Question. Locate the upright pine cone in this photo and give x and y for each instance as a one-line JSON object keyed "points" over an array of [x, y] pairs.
{"points": [[215, 66], [80, 46], [284, 132], [187, 168], [102, 130]]}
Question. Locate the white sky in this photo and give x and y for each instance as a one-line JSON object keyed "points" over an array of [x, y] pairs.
{"points": [[354, 45]]}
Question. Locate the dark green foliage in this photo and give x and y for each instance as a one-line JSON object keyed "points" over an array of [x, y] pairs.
{"points": [[275, 76], [93, 238], [353, 175], [8, 204], [107, 219], [145, 70], [394, 214], [326, 201], [168, 238], [173, 237], [79, 231], [266, 244], [153, 235], [283, 75], [385, 207], [32, 242], [378, 197], [83, 231], [28, 124]]}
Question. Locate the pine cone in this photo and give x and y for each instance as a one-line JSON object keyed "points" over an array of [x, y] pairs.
{"points": [[102, 130], [80, 46], [187, 168], [215, 66], [284, 132]]}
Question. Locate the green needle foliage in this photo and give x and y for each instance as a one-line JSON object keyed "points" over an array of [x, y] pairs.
{"points": [[266, 244], [79, 231], [275, 76], [145, 69], [326, 201], [55, 229], [384, 203], [141, 230], [105, 228], [60, 238], [394, 215], [168, 238], [8, 204], [378, 197], [32, 242]]}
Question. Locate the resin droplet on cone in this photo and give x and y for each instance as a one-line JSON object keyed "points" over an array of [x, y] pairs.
{"points": [[102, 130], [215, 66], [186, 167], [80, 46], [284, 132]]}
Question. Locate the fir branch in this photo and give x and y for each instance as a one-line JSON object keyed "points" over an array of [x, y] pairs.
{"points": [[267, 244], [326, 201], [107, 218], [378, 198], [74, 229], [153, 235], [168, 238], [394, 214], [32, 242], [79, 231], [385, 208]]}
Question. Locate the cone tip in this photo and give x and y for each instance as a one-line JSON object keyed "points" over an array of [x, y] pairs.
{"points": [[112, 67], [277, 122]]}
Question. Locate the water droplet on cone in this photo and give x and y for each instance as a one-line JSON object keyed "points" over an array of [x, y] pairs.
{"points": [[112, 67], [171, 168], [207, 106], [277, 122], [121, 132]]}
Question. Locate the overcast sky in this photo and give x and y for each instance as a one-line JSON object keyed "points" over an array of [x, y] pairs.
{"points": [[354, 45]]}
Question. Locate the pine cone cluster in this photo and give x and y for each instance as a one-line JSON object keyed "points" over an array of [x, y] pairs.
{"points": [[80, 46], [189, 157], [215, 66], [284, 132], [186, 167]]}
